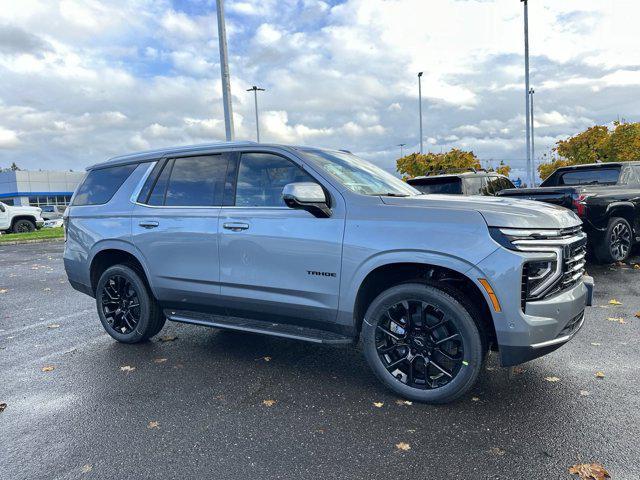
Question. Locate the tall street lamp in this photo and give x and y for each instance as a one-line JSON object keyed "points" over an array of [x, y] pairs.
{"points": [[526, 81], [420, 106], [224, 71], [255, 91], [401, 145], [533, 150]]}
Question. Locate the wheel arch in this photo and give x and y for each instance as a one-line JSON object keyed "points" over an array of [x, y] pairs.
{"points": [[624, 210], [109, 253], [30, 218], [453, 272]]}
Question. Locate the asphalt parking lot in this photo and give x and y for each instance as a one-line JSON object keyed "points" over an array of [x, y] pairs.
{"points": [[214, 404]]}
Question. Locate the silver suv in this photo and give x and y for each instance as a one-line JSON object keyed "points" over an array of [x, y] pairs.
{"points": [[321, 246]]}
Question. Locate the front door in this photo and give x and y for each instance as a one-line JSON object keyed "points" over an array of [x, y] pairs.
{"points": [[276, 263], [175, 227]]}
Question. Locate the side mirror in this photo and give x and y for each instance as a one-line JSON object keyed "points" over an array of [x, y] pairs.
{"points": [[307, 196]]}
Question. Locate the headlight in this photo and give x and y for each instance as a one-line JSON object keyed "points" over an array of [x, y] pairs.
{"points": [[537, 276]]}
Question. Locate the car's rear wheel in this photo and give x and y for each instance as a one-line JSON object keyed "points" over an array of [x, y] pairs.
{"points": [[127, 310], [23, 226], [422, 342], [617, 243]]}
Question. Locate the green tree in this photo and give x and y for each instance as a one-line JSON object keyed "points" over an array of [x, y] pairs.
{"points": [[503, 169], [416, 164], [14, 167]]}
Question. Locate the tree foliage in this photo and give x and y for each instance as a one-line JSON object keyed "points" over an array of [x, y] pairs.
{"points": [[597, 143], [503, 169], [455, 160]]}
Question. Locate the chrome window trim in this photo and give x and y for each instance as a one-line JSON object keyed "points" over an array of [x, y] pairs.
{"points": [[136, 191]]}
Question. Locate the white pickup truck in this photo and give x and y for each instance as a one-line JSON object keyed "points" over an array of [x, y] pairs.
{"points": [[19, 219]]}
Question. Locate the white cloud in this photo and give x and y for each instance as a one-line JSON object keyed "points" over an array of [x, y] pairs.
{"points": [[8, 138]]}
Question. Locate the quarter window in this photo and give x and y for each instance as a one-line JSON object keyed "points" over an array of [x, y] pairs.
{"points": [[261, 178], [100, 185]]}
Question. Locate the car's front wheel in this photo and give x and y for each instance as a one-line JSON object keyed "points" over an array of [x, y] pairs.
{"points": [[422, 342], [127, 310], [23, 226]]}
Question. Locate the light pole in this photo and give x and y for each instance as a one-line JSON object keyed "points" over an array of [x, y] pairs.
{"points": [[401, 145], [533, 150], [224, 73], [526, 81], [420, 106], [255, 91]]}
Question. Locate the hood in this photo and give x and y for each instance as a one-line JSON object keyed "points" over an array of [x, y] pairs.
{"points": [[19, 208], [497, 211]]}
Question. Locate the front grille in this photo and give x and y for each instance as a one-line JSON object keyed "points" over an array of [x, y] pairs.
{"points": [[573, 263]]}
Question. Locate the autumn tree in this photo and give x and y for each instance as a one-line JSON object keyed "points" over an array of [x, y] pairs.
{"points": [[503, 169], [597, 143], [416, 164]]}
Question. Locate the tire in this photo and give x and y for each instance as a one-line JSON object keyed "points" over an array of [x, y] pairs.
{"points": [[124, 321], [448, 313], [23, 226], [617, 242]]}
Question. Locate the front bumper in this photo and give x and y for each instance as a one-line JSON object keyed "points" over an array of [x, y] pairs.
{"points": [[39, 223], [547, 324]]}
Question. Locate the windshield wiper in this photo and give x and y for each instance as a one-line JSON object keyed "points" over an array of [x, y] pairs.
{"points": [[390, 194]]}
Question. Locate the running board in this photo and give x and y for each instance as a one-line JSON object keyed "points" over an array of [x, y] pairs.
{"points": [[282, 330]]}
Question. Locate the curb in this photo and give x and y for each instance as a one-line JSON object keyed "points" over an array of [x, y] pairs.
{"points": [[34, 240]]}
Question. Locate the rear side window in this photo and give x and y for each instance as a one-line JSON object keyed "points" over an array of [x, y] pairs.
{"points": [[190, 181], [474, 185], [101, 185], [593, 176]]}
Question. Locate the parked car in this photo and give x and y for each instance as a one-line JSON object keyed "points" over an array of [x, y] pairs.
{"points": [[56, 223], [51, 212], [19, 219], [468, 183], [606, 196], [319, 245]]}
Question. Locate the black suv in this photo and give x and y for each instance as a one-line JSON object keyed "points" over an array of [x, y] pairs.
{"points": [[468, 183]]}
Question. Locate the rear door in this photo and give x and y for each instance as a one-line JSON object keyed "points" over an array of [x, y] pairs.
{"points": [[277, 263], [175, 227]]}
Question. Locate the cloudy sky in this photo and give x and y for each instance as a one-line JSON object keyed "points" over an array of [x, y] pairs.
{"points": [[82, 80]]}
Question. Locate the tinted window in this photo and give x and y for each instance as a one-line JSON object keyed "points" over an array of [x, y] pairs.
{"points": [[160, 187], [474, 185], [636, 173], [100, 185], [261, 178], [590, 176], [449, 186], [505, 183], [195, 181]]}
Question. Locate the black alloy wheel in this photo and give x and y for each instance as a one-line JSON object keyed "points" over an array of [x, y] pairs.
{"points": [[24, 226], [120, 304], [419, 345], [620, 241]]}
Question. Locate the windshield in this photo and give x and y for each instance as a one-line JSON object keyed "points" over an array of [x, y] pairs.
{"points": [[358, 175]]}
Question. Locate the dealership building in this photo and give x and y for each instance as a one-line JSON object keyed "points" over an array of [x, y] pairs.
{"points": [[37, 188]]}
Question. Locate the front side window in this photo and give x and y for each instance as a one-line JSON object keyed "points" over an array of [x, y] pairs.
{"points": [[474, 185], [261, 178], [189, 182], [358, 175], [100, 185]]}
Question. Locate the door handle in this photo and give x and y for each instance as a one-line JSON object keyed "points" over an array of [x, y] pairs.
{"points": [[235, 226], [149, 224]]}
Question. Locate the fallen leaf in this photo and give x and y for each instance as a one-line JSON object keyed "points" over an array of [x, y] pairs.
{"points": [[48, 368], [47, 289], [403, 402], [269, 403], [159, 360], [518, 370], [596, 344], [613, 301], [636, 266], [589, 471], [3, 290], [552, 379], [3, 406], [403, 446], [599, 374], [86, 468], [153, 424], [411, 430], [378, 404], [127, 368], [637, 315], [475, 399], [266, 359], [497, 451], [617, 319], [53, 325], [585, 393], [168, 338]]}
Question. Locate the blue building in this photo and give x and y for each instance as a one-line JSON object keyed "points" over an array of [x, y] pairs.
{"points": [[39, 188]]}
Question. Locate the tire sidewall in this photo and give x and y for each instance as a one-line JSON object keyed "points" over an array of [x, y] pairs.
{"points": [[458, 315], [145, 304], [608, 239], [30, 226]]}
